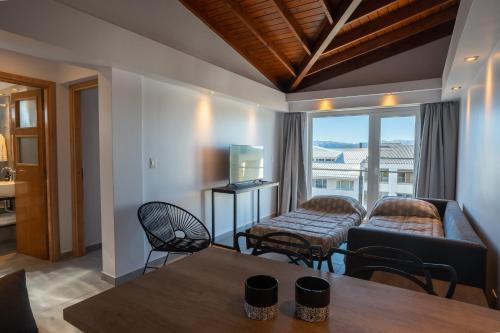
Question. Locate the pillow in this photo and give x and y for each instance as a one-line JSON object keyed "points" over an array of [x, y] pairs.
{"points": [[15, 310], [394, 206], [335, 204]]}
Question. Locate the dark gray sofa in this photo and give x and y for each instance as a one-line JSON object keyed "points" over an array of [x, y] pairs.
{"points": [[460, 247]]}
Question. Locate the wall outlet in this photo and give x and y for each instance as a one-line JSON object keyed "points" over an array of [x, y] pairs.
{"points": [[153, 163]]}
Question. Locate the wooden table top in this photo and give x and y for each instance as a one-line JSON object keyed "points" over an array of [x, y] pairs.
{"points": [[204, 293]]}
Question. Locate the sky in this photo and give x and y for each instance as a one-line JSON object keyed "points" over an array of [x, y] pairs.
{"points": [[354, 129]]}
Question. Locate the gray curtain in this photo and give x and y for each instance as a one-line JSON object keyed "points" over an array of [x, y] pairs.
{"points": [[437, 163], [293, 167]]}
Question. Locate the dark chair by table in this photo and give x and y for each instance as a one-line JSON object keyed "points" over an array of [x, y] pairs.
{"points": [[171, 229], [293, 246], [366, 261]]}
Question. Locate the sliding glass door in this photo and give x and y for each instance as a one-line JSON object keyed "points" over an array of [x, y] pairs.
{"points": [[364, 154], [340, 156]]}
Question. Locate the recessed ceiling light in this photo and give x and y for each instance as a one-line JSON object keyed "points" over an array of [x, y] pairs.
{"points": [[14, 89], [471, 58], [455, 88], [212, 92]]}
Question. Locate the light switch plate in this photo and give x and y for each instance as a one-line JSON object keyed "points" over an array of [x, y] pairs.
{"points": [[153, 163]]}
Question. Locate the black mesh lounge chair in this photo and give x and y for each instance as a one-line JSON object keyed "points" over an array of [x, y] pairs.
{"points": [[171, 229]]}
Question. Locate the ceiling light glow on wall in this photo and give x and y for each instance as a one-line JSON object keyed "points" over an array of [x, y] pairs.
{"points": [[455, 88], [325, 105], [471, 58]]}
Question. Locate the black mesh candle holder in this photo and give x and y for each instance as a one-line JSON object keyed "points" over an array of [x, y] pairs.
{"points": [[312, 298], [261, 297]]}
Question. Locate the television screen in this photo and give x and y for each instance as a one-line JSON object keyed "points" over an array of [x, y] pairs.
{"points": [[246, 163]]}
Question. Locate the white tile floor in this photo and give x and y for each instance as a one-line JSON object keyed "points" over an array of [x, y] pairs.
{"points": [[54, 286]]}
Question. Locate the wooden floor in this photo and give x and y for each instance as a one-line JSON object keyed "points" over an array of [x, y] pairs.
{"points": [[54, 286]]}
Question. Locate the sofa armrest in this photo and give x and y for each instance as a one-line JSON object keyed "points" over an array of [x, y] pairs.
{"points": [[468, 259]]}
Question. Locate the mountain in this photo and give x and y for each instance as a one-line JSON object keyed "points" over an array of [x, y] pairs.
{"points": [[335, 144]]}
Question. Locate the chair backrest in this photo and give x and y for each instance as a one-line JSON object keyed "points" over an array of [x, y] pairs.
{"points": [[162, 222], [295, 247], [367, 260]]}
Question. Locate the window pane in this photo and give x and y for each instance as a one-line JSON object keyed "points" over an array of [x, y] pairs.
{"points": [[27, 113], [397, 156], [340, 156], [28, 150]]}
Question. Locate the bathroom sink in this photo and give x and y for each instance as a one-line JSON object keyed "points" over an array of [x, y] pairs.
{"points": [[7, 189]]}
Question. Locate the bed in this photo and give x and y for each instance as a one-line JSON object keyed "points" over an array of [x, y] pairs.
{"points": [[323, 221], [411, 216]]}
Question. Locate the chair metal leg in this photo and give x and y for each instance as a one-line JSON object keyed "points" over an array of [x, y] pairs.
{"points": [[166, 258], [147, 261], [320, 263], [330, 265]]}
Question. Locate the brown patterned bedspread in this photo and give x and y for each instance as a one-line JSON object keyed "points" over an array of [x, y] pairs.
{"points": [[322, 221], [425, 226], [407, 215]]}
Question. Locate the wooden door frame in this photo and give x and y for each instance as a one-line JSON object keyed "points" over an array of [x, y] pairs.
{"points": [[76, 164], [50, 142]]}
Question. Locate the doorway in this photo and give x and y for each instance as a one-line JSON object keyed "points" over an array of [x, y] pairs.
{"points": [[364, 154], [28, 184], [84, 134]]}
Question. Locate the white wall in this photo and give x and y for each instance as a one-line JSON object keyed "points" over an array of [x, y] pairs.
{"points": [[189, 133], [89, 108], [478, 178], [62, 74]]}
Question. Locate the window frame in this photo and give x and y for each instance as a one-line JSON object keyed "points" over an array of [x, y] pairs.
{"points": [[376, 114], [346, 181], [323, 181]]}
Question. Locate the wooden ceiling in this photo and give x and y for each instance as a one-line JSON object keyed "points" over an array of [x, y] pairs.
{"points": [[298, 43]]}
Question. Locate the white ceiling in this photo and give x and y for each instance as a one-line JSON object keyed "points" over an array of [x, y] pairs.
{"points": [[5, 85], [170, 23], [476, 33]]}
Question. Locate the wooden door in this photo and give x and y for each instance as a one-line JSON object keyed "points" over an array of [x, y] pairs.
{"points": [[29, 163]]}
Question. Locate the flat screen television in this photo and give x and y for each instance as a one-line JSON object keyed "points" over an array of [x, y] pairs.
{"points": [[246, 163]]}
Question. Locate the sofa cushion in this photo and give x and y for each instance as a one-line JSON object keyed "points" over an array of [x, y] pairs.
{"points": [[393, 206], [15, 309], [335, 204]]}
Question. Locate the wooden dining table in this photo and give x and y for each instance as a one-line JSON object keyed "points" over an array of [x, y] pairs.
{"points": [[203, 293]]}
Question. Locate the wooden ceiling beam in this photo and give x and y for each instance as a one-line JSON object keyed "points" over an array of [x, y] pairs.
{"points": [[349, 6], [293, 25], [190, 4], [248, 22], [384, 22], [429, 22], [328, 11], [379, 54], [368, 7]]}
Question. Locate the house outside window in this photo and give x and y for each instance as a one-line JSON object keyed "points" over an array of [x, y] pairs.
{"points": [[384, 176], [345, 185], [320, 183], [404, 195], [383, 194], [405, 177]]}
